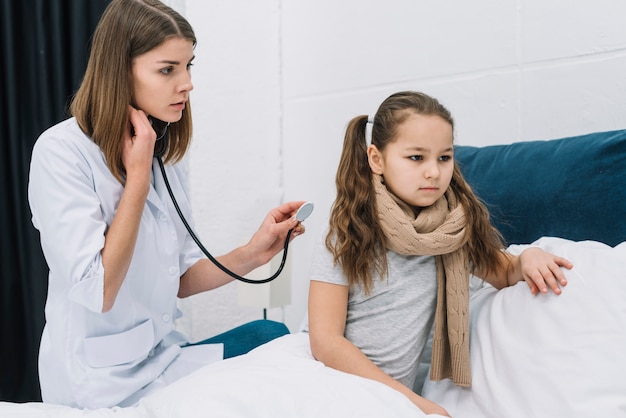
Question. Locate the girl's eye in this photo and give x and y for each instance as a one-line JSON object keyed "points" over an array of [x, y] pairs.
{"points": [[445, 157], [189, 66], [167, 70], [416, 157]]}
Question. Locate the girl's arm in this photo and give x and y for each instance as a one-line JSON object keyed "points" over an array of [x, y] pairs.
{"points": [[541, 270], [328, 305], [262, 247]]}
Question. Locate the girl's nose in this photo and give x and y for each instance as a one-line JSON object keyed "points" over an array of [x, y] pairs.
{"points": [[432, 171]]}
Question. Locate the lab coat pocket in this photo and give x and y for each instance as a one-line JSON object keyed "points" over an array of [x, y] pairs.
{"points": [[117, 349]]}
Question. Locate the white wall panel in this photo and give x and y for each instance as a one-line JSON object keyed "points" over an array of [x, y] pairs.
{"points": [[332, 47], [566, 29], [574, 98]]}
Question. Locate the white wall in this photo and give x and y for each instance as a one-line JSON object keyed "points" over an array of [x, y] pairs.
{"points": [[276, 81], [235, 160]]}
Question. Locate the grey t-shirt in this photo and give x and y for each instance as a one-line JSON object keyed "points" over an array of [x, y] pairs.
{"points": [[391, 325]]}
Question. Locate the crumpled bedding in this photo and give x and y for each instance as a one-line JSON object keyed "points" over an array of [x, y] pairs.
{"points": [[546, 355], [532, 356], [278, 379]]}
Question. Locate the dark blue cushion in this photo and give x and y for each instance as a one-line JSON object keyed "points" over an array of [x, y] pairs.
{"points": [[573, 188]]}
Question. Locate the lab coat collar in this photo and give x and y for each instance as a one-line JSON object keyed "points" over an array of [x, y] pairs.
{"points": [[156, 182]]}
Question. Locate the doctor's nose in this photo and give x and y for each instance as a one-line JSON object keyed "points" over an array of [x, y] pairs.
{"points": [[186, 84]]}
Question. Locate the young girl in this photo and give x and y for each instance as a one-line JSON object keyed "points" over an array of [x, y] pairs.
{"points": [[117, 251], [405, 231]]}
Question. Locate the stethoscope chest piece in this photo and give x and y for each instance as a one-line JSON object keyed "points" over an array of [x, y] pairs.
{"points": [[304, 211]]}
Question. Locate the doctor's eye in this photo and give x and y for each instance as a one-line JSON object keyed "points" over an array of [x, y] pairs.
{"points": [[167, 70]]}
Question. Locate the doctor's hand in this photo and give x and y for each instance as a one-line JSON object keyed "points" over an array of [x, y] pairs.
{"points": [[271, 235], [138, 149]]}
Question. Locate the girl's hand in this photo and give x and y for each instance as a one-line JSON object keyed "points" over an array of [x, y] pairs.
{"points": [[541, 270], [429, 407]]}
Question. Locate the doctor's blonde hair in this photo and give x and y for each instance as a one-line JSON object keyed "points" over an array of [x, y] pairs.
{"points": [[127, 29]]}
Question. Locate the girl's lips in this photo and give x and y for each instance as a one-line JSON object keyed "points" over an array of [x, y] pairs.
{"points": [[178, 106]]}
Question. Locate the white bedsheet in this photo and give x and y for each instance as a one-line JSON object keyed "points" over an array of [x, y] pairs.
{"points": [[279, 379], [532, 356], [548, 356]]}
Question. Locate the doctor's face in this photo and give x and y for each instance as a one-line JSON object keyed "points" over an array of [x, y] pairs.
{"points": [[162, 79]]}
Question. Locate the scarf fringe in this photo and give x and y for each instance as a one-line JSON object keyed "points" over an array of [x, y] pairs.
{"points": [[454, 361]]}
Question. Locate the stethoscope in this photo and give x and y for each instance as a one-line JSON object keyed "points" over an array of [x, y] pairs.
{"points": [[303, 212]]}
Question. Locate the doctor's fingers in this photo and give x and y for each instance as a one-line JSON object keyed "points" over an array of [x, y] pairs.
{"points": [[298, 230], [137, 157], [140, 126], [285, 211]]}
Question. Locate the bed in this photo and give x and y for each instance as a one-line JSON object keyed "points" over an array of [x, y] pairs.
{"points": [[532, 356], [548, 356], [277, 380]]}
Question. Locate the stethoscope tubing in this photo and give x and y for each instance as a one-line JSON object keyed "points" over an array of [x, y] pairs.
{"points": [[205, 251]]}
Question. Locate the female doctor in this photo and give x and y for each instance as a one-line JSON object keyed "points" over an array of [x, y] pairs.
{"points": [[118, 254]]}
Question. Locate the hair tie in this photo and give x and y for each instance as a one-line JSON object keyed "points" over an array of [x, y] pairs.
{"points": [[368, 130]]}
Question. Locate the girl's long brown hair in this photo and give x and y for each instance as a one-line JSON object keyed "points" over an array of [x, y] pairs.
{"points": [[355, 237], [127, 29]]}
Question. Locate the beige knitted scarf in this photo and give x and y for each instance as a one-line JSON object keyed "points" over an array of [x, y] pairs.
{"points": [[438, 230]]}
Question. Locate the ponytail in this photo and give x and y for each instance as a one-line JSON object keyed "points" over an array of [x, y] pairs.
{"points": [[355, 238]]}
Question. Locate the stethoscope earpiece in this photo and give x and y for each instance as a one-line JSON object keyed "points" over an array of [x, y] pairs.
{"points": [[160, 128]]}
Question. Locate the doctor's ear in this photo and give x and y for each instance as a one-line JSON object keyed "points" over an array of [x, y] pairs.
{"points": [[375, 159]]}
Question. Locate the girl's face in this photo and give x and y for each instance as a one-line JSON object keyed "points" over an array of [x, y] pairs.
{"points": [[417, 166], [162, 79]]}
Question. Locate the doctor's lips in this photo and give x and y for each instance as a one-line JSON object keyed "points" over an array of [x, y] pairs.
{"points": [[179, 105]]}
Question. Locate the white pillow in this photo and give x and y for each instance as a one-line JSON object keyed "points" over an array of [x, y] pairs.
{"points": [[547, 355]]}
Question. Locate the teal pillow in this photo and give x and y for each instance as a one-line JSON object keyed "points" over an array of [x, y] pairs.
{"points": [[572, 188]]}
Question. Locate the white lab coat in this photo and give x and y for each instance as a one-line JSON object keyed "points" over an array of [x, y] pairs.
{"points": [[88, 358]]}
